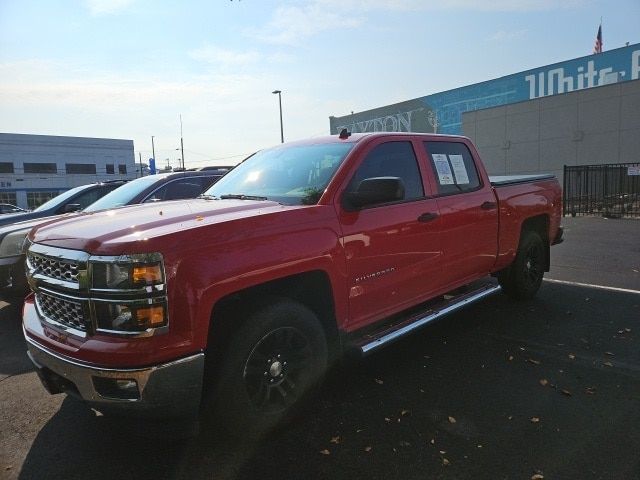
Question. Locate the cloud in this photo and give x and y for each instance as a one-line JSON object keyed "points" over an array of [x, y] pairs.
{"points": [[468, 5], [292, 24], [223, 57], [106, 7]]}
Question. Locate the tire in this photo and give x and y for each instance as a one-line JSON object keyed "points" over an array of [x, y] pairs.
{"points": [[273, 362], [523, 278]]}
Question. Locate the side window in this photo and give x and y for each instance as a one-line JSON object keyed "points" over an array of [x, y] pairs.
{"points": [[453, 167], [183, 188], [392, 159], [87, 198]]}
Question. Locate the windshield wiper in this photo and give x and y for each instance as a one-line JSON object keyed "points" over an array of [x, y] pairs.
{"points": [[208, 197], [240, 196]]}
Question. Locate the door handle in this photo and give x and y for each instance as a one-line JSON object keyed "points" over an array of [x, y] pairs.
{"points": [[488, 205], [427, 217]]}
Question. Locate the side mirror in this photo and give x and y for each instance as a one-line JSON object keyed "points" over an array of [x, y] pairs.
{"points": [[373, 191], [71, 207]]}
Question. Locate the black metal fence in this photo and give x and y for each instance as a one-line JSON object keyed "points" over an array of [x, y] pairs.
{"points": [[606, 190]]}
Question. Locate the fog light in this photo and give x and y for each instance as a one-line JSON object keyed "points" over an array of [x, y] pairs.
{"points": [[118, 388]]}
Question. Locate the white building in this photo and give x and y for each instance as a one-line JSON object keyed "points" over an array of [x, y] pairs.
{"points": [[35, 168]]}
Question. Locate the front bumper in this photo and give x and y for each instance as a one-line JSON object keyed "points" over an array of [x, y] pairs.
{"points": [[169, 390], [13, 280]]}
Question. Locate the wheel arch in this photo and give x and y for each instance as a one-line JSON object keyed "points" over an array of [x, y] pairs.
{"points": [[312, 289], [540, 225]]}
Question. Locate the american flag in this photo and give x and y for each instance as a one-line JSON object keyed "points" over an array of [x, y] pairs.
{"points": [[597, 48]]}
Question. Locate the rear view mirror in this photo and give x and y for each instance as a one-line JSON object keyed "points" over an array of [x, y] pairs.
{"points": [[373, 191]]}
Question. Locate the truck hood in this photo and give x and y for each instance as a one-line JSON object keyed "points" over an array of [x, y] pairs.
{"points": [[121, 230]]}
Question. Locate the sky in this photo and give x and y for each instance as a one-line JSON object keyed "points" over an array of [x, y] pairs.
{"points": [[130, 68]]}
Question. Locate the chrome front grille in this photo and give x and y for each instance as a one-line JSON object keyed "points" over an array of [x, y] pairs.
{"points": [[60, 269], [61, 310]]}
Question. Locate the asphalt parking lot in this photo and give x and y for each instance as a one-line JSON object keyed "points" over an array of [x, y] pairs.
{"points": [[545, 389]]}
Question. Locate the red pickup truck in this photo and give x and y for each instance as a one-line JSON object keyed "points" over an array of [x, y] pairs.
{"points": [[238, 302]]}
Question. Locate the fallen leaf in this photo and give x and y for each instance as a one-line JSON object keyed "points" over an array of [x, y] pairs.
{"points": [[367, 449], [433, 441], [160, 212], [537, 476], [522, 348], [590, 390], [566, 392], [535, 362], [404, 444], [510, 358], [446, 462], [587, 299], [421, 391], [387, 419], [610, 354], [379, 382], [427, 357], [443, 452], [479, 446], [584, 340], [335, 440], [621, 332], [510, 417], [572, 356], [544, 382], [325, 452], [608, 364], [404, 413], [360, 430], [535, 420], [628, 330], [452, 420]]}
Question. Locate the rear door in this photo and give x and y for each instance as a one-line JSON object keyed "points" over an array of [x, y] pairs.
{"points": [[468, 212], [392, 250]]}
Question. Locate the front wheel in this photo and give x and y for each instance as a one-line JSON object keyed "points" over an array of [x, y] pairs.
{"points": [[273, 361], [523, 278]]}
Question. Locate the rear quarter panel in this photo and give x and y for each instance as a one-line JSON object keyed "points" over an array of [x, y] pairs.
{"points": [[519, 202]]}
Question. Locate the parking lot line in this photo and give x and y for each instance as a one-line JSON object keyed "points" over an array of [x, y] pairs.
{"points": [[600, 287]]}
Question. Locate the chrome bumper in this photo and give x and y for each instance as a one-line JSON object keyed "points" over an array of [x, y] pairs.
{"points": [[168, 390]]}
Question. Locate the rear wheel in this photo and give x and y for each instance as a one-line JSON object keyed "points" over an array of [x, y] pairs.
{"points": [[273, 362], [524, 277]]}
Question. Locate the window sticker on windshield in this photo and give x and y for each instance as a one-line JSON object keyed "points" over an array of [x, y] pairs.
{"points": [[445, 177], [459, 169]]}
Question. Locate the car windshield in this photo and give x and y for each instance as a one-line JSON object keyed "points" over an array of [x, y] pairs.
{"points": [[59, 199], [123, 195], [291, 175]]}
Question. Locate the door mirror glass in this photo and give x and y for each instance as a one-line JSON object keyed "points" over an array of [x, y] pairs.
{"points": [[373, 191]]}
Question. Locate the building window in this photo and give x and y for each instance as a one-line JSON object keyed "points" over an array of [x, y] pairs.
{"points": [[35, 199], [122, 169], [110, 168], [40, 168], [6, 167], [8, 197], [84, 168]]}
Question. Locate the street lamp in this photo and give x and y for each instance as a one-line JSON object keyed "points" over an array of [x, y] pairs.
{"points": [[279, 92]]}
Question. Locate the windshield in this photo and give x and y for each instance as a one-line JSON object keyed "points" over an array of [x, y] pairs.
{"points": [[292, 175], [123, 195], [59, 199]]}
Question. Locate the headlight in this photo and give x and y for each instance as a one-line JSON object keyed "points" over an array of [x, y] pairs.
{"points": [[127, 276], [130, 316], [129, 294], [12, 244]]}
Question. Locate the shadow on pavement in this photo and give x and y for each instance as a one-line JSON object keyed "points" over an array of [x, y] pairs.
{"points": [[13, 356], [499, 390]]}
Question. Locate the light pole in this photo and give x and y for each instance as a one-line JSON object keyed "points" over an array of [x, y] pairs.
{"points": [[279, 92], [153, 149]]}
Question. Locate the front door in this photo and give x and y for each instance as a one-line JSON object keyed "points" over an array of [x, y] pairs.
{"points": [[392, 250]]}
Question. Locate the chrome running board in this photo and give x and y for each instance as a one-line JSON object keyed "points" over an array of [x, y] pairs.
{"points": [[390, 334]]}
